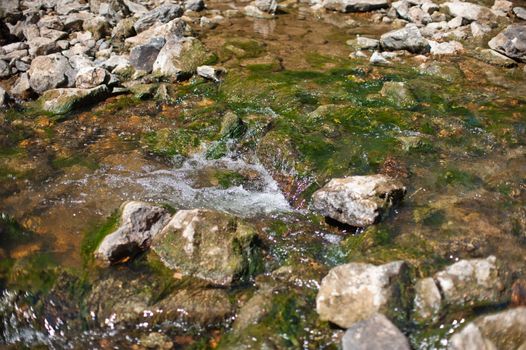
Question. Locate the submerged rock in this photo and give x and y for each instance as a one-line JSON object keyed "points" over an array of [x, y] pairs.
{"points": [[511, 42], [376, 332], [61, 101], [139, 223], [408, 38], [503, 330], [355, 5], [358, 200], [354, 292], [398, 93], [214, 246]]}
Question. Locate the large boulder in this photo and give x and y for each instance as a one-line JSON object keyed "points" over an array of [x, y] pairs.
{"points": [[355, 5], [377, 333], [472, 282], [64, 100], [408, 38], [469, 11], [511, 42], [139, 223], [142, 57], [503, 330], [358, 200], [50, 72], [214, 246], [161, 14], [180, 58], [173, 29], [354, 292]]}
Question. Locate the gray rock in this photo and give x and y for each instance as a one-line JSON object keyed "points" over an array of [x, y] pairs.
{"points": [[408, 38], [502, 7], [91, 77], [98, 26], [79, 62], [161, 14], [5, 70], [9, 7], [493, 57], [135, 8], [207, 244], [3, 97], [511, 42], [520, 12], [15, 47], [42, 46], [428, 300], [21, 89], [430, 7], [503, 330], [471, 282], [378, 58], [139, 224], [364, 43], [65, 7], [457, 22], [180, 58], [446, 48], [469, 11], [61, 101], [354, 292], [115, 61], [210, 72], [22, 66], [479, 30], [269, 6], [254, 310], [194, 5], [253, 11], [142, 57], [355, 5], [419, 16], [173, 29], [402, 9], [124, 29], [50, 72], [374, 333], [358, 200]]}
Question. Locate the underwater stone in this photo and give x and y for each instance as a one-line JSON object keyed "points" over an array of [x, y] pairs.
{"points": [[358, 200], [376, 332], [139, 223], [207, 244], [354, 292]]}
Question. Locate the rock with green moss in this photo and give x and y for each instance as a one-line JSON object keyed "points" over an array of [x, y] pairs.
{"points": [[232, 126], [179, 58], [254, 310], [398, 93], [376, 332], [61, 101], [214, 246], [354, 292], [428, 300], [358, 200], [503, 330], [139, 223]]}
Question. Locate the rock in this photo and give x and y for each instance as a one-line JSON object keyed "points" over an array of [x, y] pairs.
{"points": [[216, 247], [511, 42], [5, 70], [402, 9], [428, 300], [520, 12], [518, 293], [376, 332], [9, 7], [446, 48], [469, 11], [378, 58], [364, 43], [156, 340], [79, 62], [502, 7], [116, 62], [398, 93], [269, 6], [50, 72], [142, 57], [430, 7], [124, 29], [3, 97], [355, 5], [210, 72], [254, 310], [194, 5], [471, 282], [493, 57], [137, 9], [139, 223], [354, 292], [203, 307], [503, 330], [61, 101], [479, 30], [358, 200], [456, 22], [419, 16], [408, 38], [253, 11], [173, 29], [65, 7], [21, 89], [91, 77], [98, 26], [161, 14], [180, 58]]}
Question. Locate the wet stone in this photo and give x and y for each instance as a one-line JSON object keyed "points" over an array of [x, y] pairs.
{"points": [[427, 300], [358, 200], [62, 101]]}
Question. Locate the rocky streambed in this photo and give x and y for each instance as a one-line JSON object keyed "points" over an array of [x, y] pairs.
{"points": [[333, 174]]}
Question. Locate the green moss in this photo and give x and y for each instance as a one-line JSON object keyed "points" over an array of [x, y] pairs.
{"points": [[229, 179], [66, 162], [456, 177], [35, 273], [241, 48], [167, 142], [94, 236], [12, 232]]}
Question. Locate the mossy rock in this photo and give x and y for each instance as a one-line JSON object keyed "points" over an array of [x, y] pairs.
{"points": [[62, 101]]}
